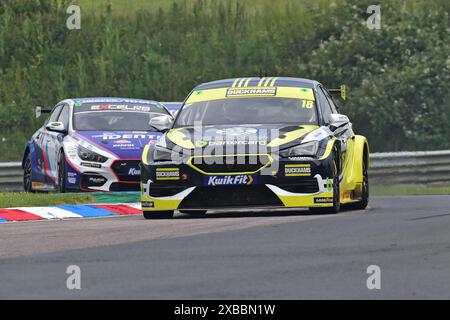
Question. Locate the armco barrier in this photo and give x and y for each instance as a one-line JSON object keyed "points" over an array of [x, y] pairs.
{"points": [[399, 168], [410, 168], [11, 176]]}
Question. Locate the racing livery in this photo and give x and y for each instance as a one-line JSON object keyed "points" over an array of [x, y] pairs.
{"points": [[256, 142], [90, 144]]}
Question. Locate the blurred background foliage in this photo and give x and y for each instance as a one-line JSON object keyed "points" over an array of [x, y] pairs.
{"points": [[398, 77]]}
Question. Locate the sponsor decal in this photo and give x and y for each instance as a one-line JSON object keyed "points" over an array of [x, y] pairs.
{"points": [[121, 107], [299, 158], [237, 142], [323, 200], [125, 136], [96, 180], [134, 172], [256, 91], [229, 180], [148, 204], [122, 142], [72, 180], [167, 174], [297, 170], [91, 165], [238, 131]]}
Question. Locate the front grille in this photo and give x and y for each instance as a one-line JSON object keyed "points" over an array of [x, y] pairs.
{"points": [[117, 186], [302, 186], [231, 163], [127, 170], [158, 190], [230, 196]]}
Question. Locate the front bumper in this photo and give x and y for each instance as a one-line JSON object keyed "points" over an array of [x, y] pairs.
{"points": [[114, 175], [294, 184]]}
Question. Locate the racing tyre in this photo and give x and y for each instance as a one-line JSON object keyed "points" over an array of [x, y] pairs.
{"points": [[62, 173], [27, 174], [195, 213], [362, 204], [151, 215], [336, 189]]}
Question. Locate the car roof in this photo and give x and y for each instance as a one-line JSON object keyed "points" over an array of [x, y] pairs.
{"points": [[258, 81], [113, 100]]}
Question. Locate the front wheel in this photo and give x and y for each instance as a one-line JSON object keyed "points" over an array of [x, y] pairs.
{"points": [[336, 189], [27, 174], [362, 204], [62, 173], [151, 215]]}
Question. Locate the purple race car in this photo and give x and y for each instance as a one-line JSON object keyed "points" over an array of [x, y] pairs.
{"points": [[91, 144]]}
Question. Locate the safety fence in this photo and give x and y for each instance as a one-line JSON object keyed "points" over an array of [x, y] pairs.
{"points": [[392, 168]]}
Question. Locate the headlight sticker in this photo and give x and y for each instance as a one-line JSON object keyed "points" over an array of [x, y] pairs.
{"points": [[297, 170], [167, 174]]}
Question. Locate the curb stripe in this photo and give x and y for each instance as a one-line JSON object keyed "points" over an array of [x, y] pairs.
{"points": [[17, 215], [50, 212], [135, 205], [69, 211], [119, 209], [87, 210]]}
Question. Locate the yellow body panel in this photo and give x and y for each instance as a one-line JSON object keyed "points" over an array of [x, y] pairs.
{"points": [[352, 169], [221, 93]]}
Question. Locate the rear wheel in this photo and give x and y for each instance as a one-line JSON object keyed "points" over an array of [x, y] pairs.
{"points": [[195, 213], [62, 173], [151, 215], [27, 174], [336, 189]]}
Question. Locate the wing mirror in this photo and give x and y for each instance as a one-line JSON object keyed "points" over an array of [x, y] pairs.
{"points": [[338, 120], [56, 127], [39, 111], [161, 123]]}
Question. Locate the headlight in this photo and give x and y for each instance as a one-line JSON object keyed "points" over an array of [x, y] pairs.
{"points": [[88, 155], [305, 149], [163, 154]]}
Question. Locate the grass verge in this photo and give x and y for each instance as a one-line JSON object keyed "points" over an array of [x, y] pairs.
{"points": [[13, 199], [408, 191]]}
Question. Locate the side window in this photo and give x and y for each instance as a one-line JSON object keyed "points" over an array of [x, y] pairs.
{"points": [[334, 109], [324, 105], [55, 114], [64, 116]]}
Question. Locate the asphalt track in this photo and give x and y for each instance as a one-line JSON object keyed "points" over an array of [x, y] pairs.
{"points": [[237, 255]]}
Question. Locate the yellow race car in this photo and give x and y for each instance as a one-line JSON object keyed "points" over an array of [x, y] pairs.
{"points": [[251, 143]]}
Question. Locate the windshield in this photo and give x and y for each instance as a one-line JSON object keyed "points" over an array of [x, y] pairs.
{"points": [[235, 111], [114, 117]]}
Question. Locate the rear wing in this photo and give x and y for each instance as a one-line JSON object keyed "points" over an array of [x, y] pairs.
{"points": [[40, 111], [342, 91]]}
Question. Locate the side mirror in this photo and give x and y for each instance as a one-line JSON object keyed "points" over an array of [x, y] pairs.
{"points": [[38, 111], [161, 123], [338, 120], [56, 127]]}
